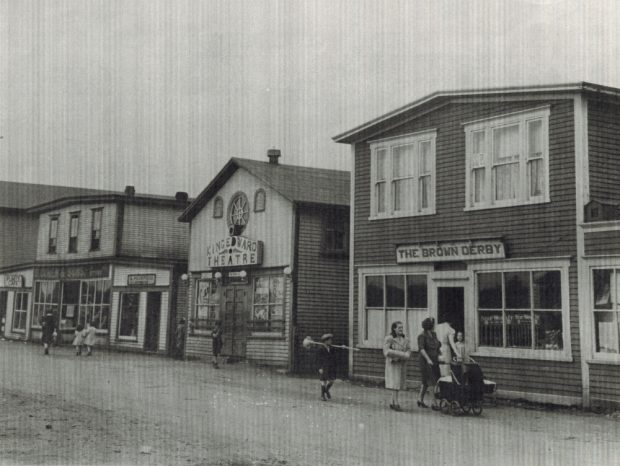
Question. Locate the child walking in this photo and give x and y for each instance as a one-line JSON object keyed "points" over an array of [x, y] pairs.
{"points": [[326, 359], [217, 343], [78, 341], [90, 334]]}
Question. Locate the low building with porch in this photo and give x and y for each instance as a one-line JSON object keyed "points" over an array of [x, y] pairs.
{"points": [[269, 259]]}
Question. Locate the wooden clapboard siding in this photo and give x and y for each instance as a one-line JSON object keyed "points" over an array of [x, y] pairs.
{"points": [[198, 347], [153, 231], [604, 150], [322, 289], [18, 238], [267, 351], [605, 383], [532, 230], [602, 242]]}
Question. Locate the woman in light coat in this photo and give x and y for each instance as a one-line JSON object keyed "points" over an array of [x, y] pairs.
{"points": [[89, 339], [397, 351]]}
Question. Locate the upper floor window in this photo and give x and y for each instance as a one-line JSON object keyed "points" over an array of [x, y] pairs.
{"points": [[403, 176], [508, 160], [218, 207], [336, 232], [95, 232], [52, 242], [74, 223], [259, 200]]}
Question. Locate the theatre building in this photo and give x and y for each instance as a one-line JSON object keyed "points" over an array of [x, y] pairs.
{"points": [[268, 259], [495, 210], [113, 259]]}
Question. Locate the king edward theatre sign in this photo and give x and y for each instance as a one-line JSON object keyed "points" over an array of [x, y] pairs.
{"points": [[234, 251], [450, 251]]}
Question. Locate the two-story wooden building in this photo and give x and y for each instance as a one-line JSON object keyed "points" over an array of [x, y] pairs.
{"points": [[268, 258], [18, 246], [113, 259], [469, 206]]}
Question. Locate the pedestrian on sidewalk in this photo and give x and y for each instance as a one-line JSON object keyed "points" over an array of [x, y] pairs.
{"points": [[326, 359], [397, 352], [216, 336], [90, 335], [48, 330], [428, 345], [78, 340]]}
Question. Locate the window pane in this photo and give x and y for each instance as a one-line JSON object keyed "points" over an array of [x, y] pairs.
{"points": [[477, 141], [374, 291], [105, 317], [380, 193], [381, 155], [490, 328], [416, 291], [261, 313], [517, 287], [53, 228], [602, 288], [547, 290], [606, 330], [276, 290], [506, 144], [395, 292], [96, 220], [128, 326], [490, 291], [202, 312], [425, 192], [506, 181], [534, 139], [402, 194], [425, 157], [535, 175], [402, 161], [261, 290], [374, 325], [478, 184], [392, 316], [548, 330], [519, 329]]}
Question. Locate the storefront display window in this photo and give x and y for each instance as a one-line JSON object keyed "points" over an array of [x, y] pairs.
{"points": [[46, 297], [128, 318], [606, 310], [391, 298], [95, 303], [20, 312], [207, 307], [268, 304], [520, 309]]}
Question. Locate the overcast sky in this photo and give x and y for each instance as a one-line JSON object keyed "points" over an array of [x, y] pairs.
{"points": [[160, 93]]}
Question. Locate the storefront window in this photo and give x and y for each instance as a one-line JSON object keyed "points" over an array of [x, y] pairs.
{"points": [[391, 298], [95, 303], [46, 297], [606, 310], [20, 311], [128, 318], [70, 304], [207, 307], [520, 309], [268, 304]]}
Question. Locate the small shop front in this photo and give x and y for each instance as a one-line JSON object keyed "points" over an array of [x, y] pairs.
{"points": [[15, 303]]}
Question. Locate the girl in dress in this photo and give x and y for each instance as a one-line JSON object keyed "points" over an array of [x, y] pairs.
{"points": [[90, 335], [78, 340]]}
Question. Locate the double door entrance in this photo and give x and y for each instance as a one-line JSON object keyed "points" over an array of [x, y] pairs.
{"points": [[235, 316]]}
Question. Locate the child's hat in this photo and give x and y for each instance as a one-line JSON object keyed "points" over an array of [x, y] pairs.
{"points": [[327, 336]]}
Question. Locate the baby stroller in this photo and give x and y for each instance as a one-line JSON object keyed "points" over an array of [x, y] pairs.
{"points": [[463, 390]]}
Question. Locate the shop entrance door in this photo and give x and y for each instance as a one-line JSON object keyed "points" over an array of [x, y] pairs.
{"points": [[451, 306], [153, 309], [234, 322], [4, 296]]}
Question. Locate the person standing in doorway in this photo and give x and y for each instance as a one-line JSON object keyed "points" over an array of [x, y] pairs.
{"points": [[90, 337], [397, 352], [216, 336], [48, 330]]}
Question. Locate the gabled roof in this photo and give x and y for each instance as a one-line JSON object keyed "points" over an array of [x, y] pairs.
{"points": [[437, 98], [295, 183]]}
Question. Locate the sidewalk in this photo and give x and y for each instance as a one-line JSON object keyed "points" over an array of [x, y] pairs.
{"points": [[114, 405]]}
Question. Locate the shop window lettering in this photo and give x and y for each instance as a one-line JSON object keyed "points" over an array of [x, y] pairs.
{"points": [[390, 298], [206, 308], [268, 304], [520, 309]]}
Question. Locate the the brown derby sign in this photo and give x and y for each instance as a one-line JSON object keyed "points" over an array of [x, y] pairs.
{"points": [[234, 251], [450, 251]]}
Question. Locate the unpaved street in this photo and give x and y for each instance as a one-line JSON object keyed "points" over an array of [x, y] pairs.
{"points": [[117, 408]]}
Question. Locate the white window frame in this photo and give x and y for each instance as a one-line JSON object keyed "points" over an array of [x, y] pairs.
{"points": [[120, 315], [384, 271], [269, 305], [388, 144], [612, 263], [565, 354], [17, 311], [485, 159]]}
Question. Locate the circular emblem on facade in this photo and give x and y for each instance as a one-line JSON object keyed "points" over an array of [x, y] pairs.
{"points": [[238, 213]]}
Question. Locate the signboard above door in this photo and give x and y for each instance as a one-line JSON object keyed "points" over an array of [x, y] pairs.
{"points": [[141, 279], [477, 249]]}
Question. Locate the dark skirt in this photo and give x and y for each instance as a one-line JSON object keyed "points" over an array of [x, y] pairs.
{"points": [[217, 346], [429, 373]]}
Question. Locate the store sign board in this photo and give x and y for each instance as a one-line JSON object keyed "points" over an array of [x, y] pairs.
{"points": [[75, 272], [450, 251], [141, 279], [234, 251], [13, 281]]}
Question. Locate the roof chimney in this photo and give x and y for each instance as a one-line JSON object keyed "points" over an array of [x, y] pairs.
{"points": [[181, 196], [274, 155], [130, 191]]}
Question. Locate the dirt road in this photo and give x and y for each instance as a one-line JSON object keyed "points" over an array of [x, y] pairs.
{"points": [[116, 408]]}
